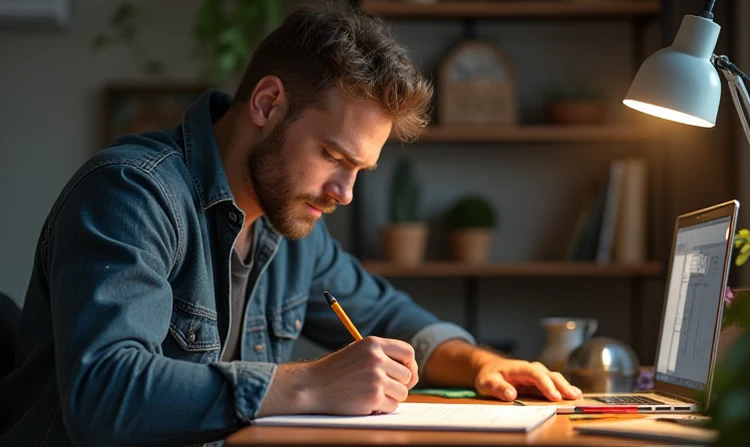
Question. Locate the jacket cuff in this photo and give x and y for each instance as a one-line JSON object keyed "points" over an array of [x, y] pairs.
{"points": [[250, 381], [426, 340]]}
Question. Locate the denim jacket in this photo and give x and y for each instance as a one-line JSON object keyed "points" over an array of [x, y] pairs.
{"points": [[128, 306]]}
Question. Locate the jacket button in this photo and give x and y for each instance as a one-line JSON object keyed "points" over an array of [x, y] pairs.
{"points": [[297, 324], [191, 336], [258, 348], [233, 216]]}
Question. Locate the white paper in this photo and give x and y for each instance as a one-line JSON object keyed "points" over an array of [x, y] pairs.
{"points": [[419, 416]]}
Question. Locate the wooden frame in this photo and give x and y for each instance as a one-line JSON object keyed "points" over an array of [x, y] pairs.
{"points": [[479, 101], [132, 108]]}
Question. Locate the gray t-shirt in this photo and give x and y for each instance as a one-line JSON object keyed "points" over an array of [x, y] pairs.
{"points": [[240, 277]]}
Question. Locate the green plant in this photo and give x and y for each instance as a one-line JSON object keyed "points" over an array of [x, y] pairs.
{"points": [[124, 23], [730, 412], [471, 211], [737, 301], [225, 33], [405, 193]]}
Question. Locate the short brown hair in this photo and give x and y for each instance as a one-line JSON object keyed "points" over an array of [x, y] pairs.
{"points": [[316, 49]]}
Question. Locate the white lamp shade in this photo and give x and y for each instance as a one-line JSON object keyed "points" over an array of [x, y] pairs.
{"points": [[679, 83]]}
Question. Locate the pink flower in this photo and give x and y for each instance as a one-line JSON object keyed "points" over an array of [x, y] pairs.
{"points": [[728, 297]]}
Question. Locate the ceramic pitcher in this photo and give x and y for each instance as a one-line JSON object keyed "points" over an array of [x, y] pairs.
{"points": [[563, 336]]}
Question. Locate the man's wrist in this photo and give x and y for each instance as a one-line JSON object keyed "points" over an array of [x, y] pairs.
{"points": [[291, 391], [456, 363]]}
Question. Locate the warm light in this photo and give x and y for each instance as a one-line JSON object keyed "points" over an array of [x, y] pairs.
{"points": [[668, 114], [606, 357], [570, 325]]}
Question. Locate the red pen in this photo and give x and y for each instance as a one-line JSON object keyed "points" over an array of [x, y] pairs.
{"points": [[619, 409]]}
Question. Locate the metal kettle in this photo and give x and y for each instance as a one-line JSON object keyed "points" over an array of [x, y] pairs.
{"points": [[602, 365]]}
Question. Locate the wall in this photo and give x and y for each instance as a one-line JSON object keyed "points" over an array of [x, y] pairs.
{"points": [[50, 112]]}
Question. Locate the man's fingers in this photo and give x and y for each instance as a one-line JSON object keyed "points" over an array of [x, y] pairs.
{"points": [[398, 372], [540, 376], [566, 389], [495, 385], [414, 374], [398, 350], [395, 390]]}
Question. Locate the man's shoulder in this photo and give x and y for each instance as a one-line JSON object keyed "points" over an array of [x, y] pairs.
{"points": [[145, 151], [143, 159]]}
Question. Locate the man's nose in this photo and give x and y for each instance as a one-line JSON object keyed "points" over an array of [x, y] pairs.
{"points": [[341, 191]]}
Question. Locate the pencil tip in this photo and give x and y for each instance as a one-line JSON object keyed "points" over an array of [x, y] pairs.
{"points": [[329, 297]]}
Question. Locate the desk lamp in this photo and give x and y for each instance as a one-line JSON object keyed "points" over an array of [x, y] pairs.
{"points": [[681, 83]]}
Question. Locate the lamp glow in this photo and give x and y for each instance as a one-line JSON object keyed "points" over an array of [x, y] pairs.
{"points": [[681, 82], [667, 114]]}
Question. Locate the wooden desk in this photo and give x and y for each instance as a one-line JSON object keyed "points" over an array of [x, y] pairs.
{"points": [[557, 431]]}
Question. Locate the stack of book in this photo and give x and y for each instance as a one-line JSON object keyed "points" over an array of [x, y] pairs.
{"points": [[612, 226]]}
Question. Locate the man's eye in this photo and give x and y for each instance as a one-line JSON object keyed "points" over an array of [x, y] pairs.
{"points": [[330, 157]]}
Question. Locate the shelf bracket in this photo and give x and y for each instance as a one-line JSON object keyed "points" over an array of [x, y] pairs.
{"points": [[471, 305], [468, 29]]}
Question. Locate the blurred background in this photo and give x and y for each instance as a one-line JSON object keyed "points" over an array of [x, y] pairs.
{"points": [[531, 154]]}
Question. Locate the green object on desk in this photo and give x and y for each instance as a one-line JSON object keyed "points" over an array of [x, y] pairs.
{"points": [[453, 393]]}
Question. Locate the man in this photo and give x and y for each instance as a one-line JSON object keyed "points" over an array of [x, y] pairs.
{"points": [[177, 268]]}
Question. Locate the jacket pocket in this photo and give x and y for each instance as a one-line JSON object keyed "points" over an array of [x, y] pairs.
{"points": [[196, 331], [286, 327]]}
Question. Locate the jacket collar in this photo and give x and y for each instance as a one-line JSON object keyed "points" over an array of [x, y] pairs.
{"points": [[201, 152]]}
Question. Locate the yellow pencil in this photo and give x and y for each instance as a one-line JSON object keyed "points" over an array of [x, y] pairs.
{"points": [[342, 315]]}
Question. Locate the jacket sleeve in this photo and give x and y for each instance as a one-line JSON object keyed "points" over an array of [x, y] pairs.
{"points": [[112, 245], [372, 303]]}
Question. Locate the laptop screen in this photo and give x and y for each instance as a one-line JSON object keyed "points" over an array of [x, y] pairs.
{"points": [[694, 297]]}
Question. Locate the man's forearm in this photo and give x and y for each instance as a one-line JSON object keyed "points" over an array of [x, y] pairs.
{"points": [[455, 363], [288, 391]]}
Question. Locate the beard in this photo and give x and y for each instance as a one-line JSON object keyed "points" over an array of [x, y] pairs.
{"points": [[274, 188]]}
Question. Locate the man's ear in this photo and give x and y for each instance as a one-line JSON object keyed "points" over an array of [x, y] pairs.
{"points": [[268, 102]]}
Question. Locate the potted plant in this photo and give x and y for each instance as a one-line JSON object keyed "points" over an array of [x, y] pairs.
{"points": [[471, 221], [224, 35], [405, 238], [730, 410], [574, 105]]}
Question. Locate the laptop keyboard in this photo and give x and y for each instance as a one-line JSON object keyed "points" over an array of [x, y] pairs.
{"points": [[628, 400]]}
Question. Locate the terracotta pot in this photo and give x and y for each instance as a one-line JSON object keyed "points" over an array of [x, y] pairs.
{"points": [[576, 111], [405, 243], [472, 245]]}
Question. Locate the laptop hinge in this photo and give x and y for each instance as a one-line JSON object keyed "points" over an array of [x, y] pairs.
{"points": [[677, 397]]}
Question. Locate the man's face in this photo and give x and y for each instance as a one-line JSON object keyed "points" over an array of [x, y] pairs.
{"points": [[307, 167]]}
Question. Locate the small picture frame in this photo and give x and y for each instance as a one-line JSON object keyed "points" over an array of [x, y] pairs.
{"points": [[135, 108], [477, 85]]}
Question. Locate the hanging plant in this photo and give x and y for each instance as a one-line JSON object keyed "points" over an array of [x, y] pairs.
{"points": [[225, 33]]}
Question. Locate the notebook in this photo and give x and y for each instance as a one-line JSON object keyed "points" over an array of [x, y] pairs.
{"points": [[691, 319], [652, 429], [425, 416]]}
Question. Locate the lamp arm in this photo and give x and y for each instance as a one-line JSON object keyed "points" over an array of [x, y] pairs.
{"points": [[735, 79]]}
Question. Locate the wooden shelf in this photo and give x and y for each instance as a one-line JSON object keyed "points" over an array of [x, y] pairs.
{"points": [[557, 9], [530, 269], [537, 134]]}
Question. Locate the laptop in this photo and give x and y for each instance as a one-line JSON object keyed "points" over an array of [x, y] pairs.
{"points": [[691, 319]]}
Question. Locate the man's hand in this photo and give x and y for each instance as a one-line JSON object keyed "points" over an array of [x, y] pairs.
{"points": [[369, 376], [506, 379], [456, 363]]}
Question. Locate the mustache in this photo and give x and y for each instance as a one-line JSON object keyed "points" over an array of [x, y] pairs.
{"points": [[327, 206]]}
